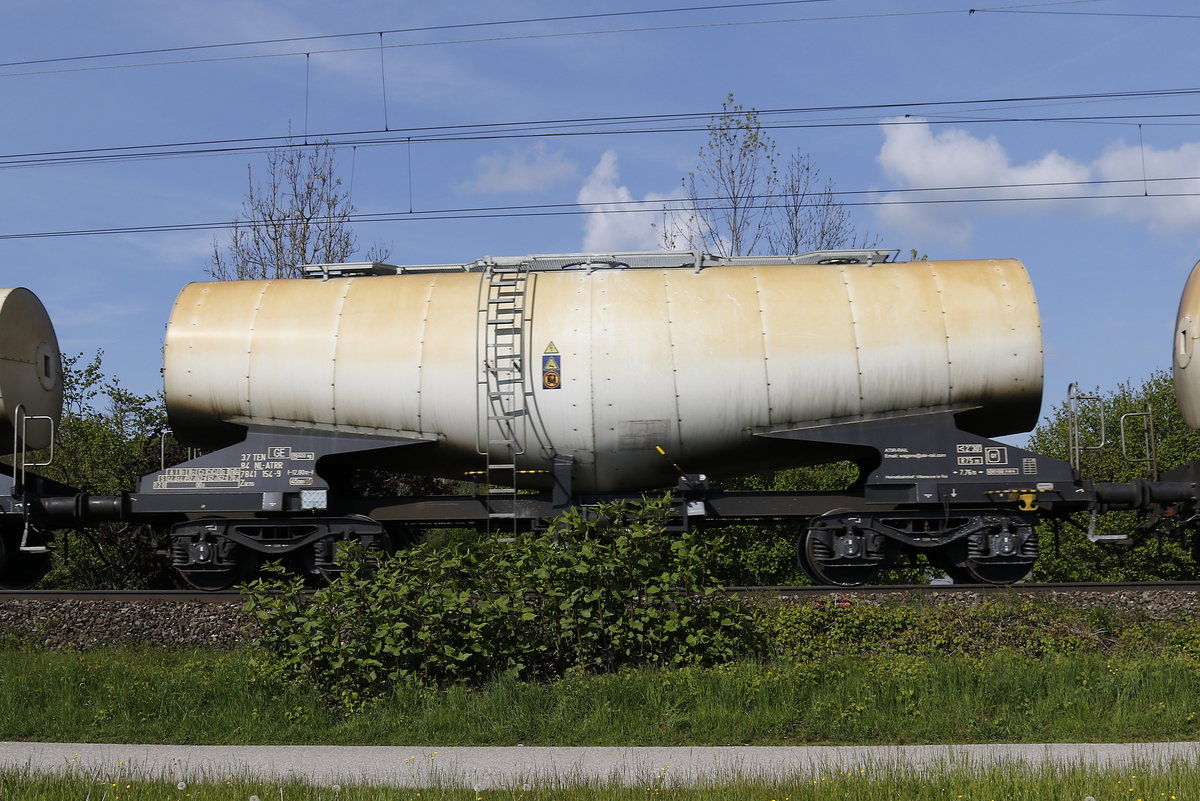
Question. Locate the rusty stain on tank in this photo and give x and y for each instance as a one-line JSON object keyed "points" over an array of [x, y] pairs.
{"points": [[701, 360]]}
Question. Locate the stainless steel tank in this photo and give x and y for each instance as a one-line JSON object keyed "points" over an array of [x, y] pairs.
{"points": [[30, 372], [617, 361], [1185, 361]]}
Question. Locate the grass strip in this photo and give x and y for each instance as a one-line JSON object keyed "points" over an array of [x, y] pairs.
{"points": [[211, 697], [1170, 781]]}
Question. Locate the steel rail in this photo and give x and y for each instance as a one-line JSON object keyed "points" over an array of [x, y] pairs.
{"points": [[1111, 587], [184, 596]]}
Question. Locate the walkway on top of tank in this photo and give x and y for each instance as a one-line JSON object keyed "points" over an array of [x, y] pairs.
{"points": [[590, 261]]}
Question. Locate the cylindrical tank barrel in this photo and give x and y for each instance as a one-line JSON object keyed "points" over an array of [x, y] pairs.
{"points": [[616, 363], [1185, 362], [30, 372]]}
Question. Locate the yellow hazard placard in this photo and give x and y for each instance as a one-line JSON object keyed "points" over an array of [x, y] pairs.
{"points": [[551, 371]]}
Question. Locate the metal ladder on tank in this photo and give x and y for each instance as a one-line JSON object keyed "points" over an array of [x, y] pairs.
{"points": [[503, 411]]}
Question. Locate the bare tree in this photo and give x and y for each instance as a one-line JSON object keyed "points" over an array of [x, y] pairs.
{"points": [[298, 215], [726, 206], [737, 198], [807, 214]]}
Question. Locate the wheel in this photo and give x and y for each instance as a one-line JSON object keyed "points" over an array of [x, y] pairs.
{"points": [[996, 573], [998, 552], [223, 576], [20, 570], [821, 561]]}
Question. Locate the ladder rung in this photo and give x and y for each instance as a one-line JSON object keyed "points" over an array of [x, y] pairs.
{"points": [[504, 382]]}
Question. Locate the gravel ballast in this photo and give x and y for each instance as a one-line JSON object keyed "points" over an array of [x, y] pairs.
{"points": [[101, 622]]}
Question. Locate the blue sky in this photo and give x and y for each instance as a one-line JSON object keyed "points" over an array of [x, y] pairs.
{"points": [[925, 76]]}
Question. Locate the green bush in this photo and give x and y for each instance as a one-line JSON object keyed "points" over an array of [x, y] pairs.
{"points": [[595, 592], [821, 630]]}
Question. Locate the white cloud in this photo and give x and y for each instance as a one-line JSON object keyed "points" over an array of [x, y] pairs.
{"points": [[1124, 162], [612, 226], [914, 157], [525, 171]]}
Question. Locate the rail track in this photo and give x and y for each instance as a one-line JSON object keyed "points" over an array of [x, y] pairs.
{"points": [[781, 592]]}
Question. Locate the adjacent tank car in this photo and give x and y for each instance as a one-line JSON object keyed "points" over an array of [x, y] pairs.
{"points": [[556, 381]]}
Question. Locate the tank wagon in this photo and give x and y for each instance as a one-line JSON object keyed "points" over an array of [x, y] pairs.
{"points": [[555, 381], [30, 407]]}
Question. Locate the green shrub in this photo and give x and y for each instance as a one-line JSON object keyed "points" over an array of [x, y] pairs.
{"points": [[810, 631], [595, 592]]}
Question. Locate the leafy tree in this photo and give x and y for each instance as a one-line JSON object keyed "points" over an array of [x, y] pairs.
{"points": [[108, 438], [1166, 554], [740, 197]]}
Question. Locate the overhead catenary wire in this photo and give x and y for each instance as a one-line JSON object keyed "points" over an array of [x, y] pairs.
{"points": [[658, 124], [415, 29], [1119, 14], [538, 36], [562, 127], [881, 197]]}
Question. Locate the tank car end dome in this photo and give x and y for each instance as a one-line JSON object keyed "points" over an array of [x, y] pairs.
{"points": [[1185, 362], [30, 370]]}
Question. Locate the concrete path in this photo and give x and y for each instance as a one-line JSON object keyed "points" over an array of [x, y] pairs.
{"points": [[484, 767]]}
